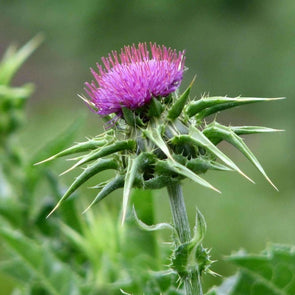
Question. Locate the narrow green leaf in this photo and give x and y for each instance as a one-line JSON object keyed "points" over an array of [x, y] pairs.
{"points": [[154, 227], [198, 138], [77, 148], [91, 170], [226, 133], [182, 170], [133, 167], [114, 184], [180, 103], [239, 130], [154, 134], [200, 227], [104, 151], [210, 105], [14, 59]]}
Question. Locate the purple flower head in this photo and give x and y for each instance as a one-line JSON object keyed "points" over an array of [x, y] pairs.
{"points": [[130, 79]]}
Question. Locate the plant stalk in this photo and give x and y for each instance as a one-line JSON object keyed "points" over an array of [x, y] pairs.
{"points": [[192, 283]]}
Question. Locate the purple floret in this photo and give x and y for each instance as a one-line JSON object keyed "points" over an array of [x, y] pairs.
{"points": [[132, 78]]}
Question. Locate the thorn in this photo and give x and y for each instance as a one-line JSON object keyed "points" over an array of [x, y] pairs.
{"points": [[43, 161], [52, 211]]}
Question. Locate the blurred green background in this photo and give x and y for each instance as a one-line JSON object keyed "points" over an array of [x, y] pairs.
{"points": [[235, 47]]}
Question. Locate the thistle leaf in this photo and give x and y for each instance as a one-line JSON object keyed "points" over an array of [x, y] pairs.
{"points": [[239, 130], [198, 138], [210, 105], [180, 103], [91, 170], [154, 227], [271, 273], [77, 148], [226, 133], [104, 151], [114, 184]]}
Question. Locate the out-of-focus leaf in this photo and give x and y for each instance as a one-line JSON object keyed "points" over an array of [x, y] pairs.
{"points": [[56, 277], [14, 94], [271, 272], [13, 59]]}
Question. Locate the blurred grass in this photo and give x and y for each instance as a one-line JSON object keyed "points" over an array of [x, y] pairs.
{"points": [[235, 48]]}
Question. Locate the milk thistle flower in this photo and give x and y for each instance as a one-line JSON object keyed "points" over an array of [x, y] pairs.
{"points": [[159, 138], [133, 77]]}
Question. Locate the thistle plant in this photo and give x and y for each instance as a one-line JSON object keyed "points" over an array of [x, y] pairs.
{"points": [[155, 138]]}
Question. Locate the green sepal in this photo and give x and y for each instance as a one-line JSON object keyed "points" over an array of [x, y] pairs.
{"points": [[129, 116], [210, 105], [220, 132], [201, 165], [91, 170], [240, 130], [155, 108], [180, 103], [77, 148], [105, 151], [114, 184]]}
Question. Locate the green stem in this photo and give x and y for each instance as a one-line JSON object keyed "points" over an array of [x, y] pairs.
{"points": [[192, 283]]}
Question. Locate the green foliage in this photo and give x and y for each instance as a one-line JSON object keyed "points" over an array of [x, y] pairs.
{"points": [[271, 272]]}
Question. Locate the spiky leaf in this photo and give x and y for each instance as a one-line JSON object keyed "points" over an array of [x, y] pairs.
{"points": [[219, 132], [271, 272], [91, 170], [209, 105]]}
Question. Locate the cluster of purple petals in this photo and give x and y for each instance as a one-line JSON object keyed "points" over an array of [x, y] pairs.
{"points": [[130, 79]]}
